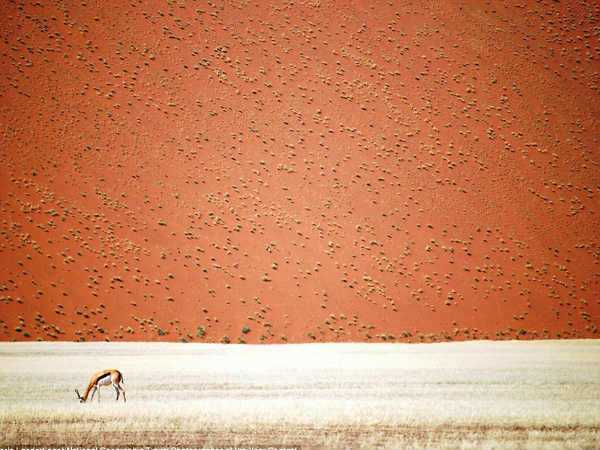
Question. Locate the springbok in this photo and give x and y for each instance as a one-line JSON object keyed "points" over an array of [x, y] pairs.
{"points": [[104, 378]]}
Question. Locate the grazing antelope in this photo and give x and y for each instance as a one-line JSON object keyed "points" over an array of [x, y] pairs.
{"points": [[104, 378]]}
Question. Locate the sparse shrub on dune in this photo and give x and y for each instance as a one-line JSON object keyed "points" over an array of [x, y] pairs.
{"points": [[298, 159]]}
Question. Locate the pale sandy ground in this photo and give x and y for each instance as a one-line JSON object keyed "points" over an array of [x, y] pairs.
{"points": [[535, 394]]}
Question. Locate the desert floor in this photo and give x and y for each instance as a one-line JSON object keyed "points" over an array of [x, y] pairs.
{"points": [[534, 394], [301, 172]]}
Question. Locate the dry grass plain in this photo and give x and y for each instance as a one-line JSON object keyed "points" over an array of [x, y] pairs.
{"points": [[534, 394]]}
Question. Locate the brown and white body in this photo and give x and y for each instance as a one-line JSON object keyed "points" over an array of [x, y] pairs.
{"points": [[104, 378]]}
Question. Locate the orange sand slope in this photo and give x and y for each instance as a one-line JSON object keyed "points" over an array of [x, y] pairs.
{"points": [[249, 171]]}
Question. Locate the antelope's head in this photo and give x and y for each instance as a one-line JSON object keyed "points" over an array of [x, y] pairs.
{"points": [[81, 400]]}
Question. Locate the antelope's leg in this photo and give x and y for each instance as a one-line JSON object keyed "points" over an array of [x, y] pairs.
{"points": [[116, 389], [123, 391]]}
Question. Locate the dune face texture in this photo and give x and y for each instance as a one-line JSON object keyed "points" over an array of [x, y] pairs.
{"points": [[268, 172]]}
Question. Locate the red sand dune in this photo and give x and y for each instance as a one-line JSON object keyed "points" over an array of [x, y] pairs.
{"points": [[299, 171]]}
